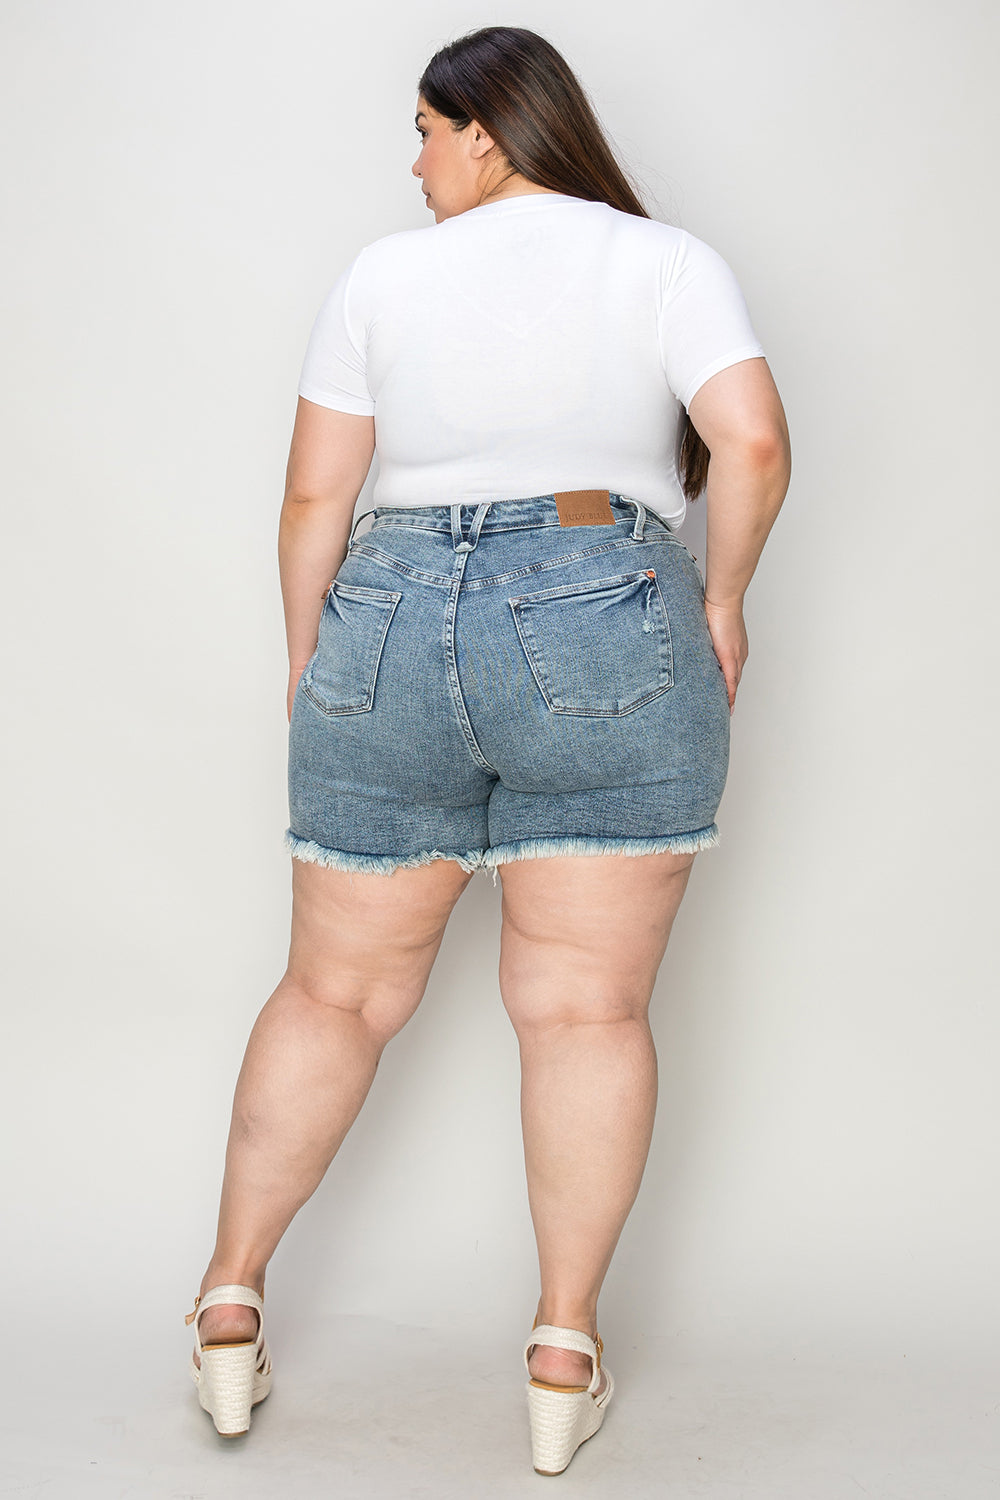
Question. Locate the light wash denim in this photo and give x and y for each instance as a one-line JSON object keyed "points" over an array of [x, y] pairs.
{"points": [[490, 685]]}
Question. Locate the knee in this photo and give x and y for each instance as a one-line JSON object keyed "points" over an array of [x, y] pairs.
{"points": [[536, 1009], [381, 1009]]}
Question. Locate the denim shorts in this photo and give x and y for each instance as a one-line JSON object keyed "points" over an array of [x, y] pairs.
{"points": [[491, 685]]}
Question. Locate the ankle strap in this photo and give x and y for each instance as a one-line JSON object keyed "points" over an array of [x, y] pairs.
{"points": [[243, 1296], [567, 1338]]}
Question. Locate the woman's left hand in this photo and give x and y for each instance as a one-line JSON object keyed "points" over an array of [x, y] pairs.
{"points": [[294, 673], [729, 641]]}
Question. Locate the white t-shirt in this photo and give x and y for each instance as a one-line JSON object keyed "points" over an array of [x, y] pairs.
{"points": [[533, 344]]}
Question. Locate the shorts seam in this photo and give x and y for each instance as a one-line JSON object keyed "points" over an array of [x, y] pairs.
{"points": [[441, 580], [451, 670], [531, 570]]}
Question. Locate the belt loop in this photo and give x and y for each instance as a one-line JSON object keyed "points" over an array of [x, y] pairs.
{"points": [[354, 528], [477, 521], [640, 521], [460, 543]]}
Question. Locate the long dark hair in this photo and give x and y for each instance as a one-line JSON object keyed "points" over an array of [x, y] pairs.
{"points": [[525, 94]]}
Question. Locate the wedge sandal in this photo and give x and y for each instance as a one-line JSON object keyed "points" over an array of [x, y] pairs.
{"points": [[233, 1376], [564, 1416]]}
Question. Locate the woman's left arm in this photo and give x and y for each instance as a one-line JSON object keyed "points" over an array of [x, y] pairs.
{"points": [[328, 462], [739, 416]]}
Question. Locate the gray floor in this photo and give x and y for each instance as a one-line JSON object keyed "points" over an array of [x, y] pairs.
{"points": [[364, 1408]]}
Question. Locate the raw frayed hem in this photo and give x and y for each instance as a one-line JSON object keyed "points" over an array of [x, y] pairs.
{"points": [[375, 864], [673, 843], [471, 860]]}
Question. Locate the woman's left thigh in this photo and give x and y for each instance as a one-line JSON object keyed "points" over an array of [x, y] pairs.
{"points": [[583, 936]]}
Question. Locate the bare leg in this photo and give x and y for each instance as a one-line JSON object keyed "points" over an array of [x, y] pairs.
{"points": [[582, 941], [361, 951]]}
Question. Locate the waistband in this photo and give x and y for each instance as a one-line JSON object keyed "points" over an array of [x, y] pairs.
{"points": [[465, 520]]}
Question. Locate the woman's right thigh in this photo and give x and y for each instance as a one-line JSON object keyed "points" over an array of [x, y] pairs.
{"points": [[367, 943]]}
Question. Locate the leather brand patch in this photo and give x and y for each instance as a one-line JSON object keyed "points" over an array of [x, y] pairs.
{"points": [[584, 508]]}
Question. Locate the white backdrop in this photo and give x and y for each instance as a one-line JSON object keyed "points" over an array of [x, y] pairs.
{"points": [[185, 184]]}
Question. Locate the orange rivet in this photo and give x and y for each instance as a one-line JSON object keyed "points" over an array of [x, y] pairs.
{"points": [[650, 573]]}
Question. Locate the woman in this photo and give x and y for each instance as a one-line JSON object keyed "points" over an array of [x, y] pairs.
{"points": [[515, 668]]}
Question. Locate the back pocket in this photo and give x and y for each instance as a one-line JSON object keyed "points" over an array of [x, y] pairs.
{"points": [[340, 678], [600, 648]]}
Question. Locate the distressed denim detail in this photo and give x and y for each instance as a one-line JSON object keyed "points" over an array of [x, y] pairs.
{"points": [[541, 848], [435, 737], [375, 864], [548, 848], [629, 658], [501, 854], [340, 675]]}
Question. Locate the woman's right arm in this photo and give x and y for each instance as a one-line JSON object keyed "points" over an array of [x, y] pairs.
{"points": [[328, 462], [739, 416]]}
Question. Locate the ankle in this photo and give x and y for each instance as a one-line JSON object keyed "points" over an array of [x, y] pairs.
{"points": [[568, 1315], [219, 1274]]}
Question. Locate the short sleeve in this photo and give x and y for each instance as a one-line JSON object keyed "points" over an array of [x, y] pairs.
{"points": [[704, 323], [333, 371]]}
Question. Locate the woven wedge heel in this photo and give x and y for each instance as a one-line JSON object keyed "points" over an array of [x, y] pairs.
{"points": [[563, 1417], [233, 1376]]}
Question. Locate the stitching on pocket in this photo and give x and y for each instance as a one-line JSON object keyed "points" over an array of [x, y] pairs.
{"points": [[600, 662], [341, 677]]}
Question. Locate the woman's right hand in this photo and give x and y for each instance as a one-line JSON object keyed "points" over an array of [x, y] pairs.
{"points": [[729, 641]]}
